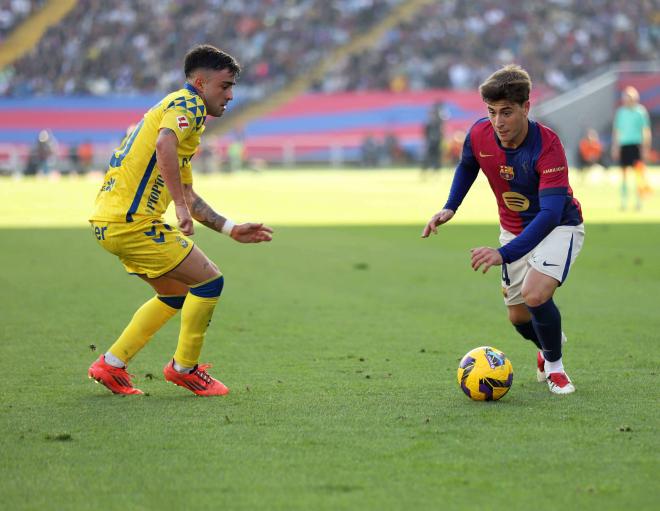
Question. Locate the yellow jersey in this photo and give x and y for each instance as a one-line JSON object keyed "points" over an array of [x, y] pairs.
{"points": [[133, 187]]}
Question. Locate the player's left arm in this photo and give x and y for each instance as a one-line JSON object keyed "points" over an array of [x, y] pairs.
{"points": [[206, 215], [553, 196]]}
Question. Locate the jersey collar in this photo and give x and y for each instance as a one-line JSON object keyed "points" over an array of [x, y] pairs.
{"points": [[191, 88]]}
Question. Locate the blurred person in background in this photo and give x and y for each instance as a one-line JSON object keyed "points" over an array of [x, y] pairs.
{"points": [[235, 155], [631, 144], [369, 151], [394, 153], [150, 169], [591, 151], [85, 156], [455, 147], [433, 139], [541, 227], [45, 152]]}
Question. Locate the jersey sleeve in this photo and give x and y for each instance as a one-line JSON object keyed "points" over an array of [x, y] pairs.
{"points": [[180, 120], [547, 219], [553, 169]]}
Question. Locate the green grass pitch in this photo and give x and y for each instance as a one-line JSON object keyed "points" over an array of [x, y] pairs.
{"points": [[340, 344]]}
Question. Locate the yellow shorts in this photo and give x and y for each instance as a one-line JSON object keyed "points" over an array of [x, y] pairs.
{"points": [[147, 246]]}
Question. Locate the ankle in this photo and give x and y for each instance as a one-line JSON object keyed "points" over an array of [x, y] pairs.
{"points": [[113, 361]]}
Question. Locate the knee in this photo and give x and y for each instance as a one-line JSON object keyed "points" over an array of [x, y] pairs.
{"points": [[211, 289], [534, 297]]}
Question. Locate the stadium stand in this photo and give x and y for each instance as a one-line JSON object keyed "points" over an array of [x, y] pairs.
{"points": [[13, 12], [451, 44], [89, 88], [131, 47], [458, 44]]}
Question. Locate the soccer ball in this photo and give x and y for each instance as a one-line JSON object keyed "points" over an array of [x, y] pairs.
{"points": [[485, 374]]}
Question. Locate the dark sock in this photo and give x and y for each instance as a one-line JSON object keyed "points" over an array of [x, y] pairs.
{"points": [[547, 325], [528, 332]]}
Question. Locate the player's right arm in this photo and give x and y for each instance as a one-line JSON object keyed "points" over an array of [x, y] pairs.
{"points": [[466, 172], [248, 232], [167, 158]]}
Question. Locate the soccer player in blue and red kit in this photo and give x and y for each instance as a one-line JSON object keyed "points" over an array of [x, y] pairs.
{"points": [[541, 228]]}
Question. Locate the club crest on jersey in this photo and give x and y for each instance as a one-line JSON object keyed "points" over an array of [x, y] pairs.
{"points": [[182, 122], [506, 172]]}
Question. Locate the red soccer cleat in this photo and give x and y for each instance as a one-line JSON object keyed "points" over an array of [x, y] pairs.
{"points": [[540, 361], [116, 379], [198, 381], [560, 383]]}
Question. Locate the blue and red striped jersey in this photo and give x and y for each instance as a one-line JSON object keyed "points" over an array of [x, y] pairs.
{"points": [[519, 178]]}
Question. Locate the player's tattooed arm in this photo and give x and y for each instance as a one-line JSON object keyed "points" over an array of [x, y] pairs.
{"points": [[168, 163], [202, 212]]}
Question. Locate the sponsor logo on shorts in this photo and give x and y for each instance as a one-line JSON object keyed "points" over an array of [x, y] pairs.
{"points": [[546, 263], [515, 201], [506, 172]]}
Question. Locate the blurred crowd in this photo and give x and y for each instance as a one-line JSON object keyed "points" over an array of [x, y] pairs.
{"points": [[137, 46], [457, 44], [13, 12]]}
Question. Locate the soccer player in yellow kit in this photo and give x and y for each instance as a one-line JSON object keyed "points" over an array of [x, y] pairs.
{"points": [[149, 170]]}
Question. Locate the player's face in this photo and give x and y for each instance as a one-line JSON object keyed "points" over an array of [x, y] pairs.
{"points": [[215, 88], [509, 121]]}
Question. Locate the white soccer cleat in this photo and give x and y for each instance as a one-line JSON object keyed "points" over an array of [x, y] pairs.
{"points": [[540, 367], [560, 383], [540, 361]]}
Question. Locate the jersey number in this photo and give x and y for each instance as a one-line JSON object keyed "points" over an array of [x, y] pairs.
{"points": [[125, 146]]}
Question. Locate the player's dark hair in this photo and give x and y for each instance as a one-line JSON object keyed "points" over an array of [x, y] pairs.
{"points": [[511, 83], [206, 56]]}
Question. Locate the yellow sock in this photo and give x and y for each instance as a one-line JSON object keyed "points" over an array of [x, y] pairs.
{"points": [[146, 321], [195, 318]]}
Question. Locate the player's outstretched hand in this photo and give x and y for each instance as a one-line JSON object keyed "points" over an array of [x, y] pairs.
{"points": [[438, 219], [251, 233], [185, 221], [486, 257]]}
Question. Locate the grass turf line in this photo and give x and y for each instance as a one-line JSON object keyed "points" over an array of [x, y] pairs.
{"points": [[317, 197], [340, 346]]}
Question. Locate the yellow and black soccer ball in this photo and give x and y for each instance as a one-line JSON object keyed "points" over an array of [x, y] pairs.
{"points": [[485, 374]]}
